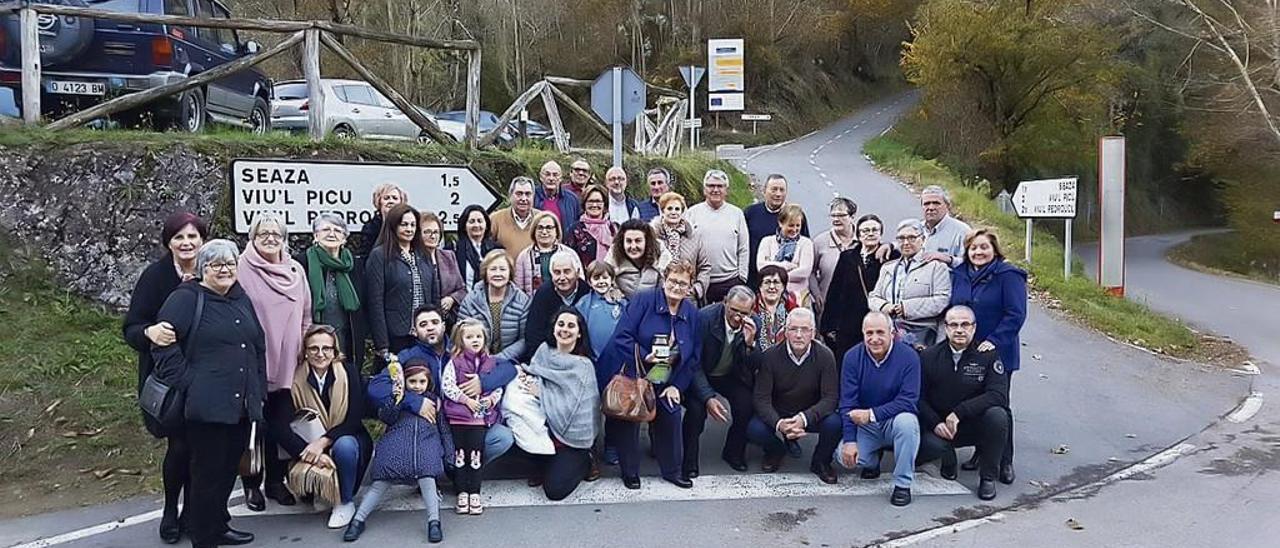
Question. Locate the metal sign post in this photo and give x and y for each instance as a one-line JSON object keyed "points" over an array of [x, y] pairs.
{"points": [[1111, 183], [1048, 199], [692, 75], [755, 119], [618, 95], [617, 117]]}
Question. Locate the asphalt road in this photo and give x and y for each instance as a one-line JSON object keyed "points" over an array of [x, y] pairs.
{"points": [[1109, 405]]}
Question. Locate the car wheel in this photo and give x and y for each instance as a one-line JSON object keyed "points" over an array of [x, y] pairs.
{"points": [[424, 138], [344, 132], [191, 115], [259, 117]]}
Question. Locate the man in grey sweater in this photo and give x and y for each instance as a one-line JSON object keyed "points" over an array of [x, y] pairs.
{"points": [[725, 239]]}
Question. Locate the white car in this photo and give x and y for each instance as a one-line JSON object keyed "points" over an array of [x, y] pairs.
{"points": [[352, 108]]}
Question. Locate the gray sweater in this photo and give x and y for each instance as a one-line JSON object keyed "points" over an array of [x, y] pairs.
{"points": [[515, 310]]}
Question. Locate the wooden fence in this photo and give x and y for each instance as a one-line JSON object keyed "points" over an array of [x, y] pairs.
{"points": [[309, 35]]}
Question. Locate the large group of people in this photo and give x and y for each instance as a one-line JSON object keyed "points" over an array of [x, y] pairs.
{"points": [[507, 332]]}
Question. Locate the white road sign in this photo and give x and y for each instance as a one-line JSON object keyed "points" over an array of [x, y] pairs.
{"points": [[757, 117], [691, 122], [726, 66], [298, 191], [1046, 199]]}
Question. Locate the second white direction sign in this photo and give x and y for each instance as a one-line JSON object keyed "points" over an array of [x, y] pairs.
{"points": [[298, 191], [1046, 199]]}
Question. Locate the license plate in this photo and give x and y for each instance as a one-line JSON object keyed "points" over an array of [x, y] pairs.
{"points": [[77, 88]]}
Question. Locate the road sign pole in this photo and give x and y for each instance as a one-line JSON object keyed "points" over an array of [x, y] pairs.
{"points": [[1028, 255], [617, 116], [1066, 260]]}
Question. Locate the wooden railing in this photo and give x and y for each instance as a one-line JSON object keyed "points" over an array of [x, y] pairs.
{"points": [[309, 35]]}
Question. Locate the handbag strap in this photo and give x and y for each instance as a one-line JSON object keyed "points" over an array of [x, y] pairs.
{"points": [[195, 323], [863, 280], [641, 371]]}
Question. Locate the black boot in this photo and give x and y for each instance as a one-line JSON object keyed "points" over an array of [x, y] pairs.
{"points": [[254, 500], [170, 527]]}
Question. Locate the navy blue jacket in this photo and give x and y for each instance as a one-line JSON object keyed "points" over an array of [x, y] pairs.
{"points": [[379, 390], [711, 328], [997, 293], [648, 209], [645, 316], [570, 207]]}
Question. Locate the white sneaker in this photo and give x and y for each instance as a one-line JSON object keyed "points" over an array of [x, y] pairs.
{"points": [[341, 515]]}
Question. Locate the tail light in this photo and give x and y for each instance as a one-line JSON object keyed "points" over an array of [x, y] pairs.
{"points": [[306, 105], [4, 45], [161, 52]]}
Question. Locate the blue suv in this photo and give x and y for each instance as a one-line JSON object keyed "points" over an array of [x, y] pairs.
{"points": [[87, 61]]}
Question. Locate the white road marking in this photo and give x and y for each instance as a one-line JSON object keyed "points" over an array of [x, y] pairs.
{"points": [[937, 532], [829, 184], [886, 130], [91, 531], [1247, 409], [1158, 460]]}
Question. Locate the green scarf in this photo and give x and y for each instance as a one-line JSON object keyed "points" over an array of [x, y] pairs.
{"points": [[318, 261]]}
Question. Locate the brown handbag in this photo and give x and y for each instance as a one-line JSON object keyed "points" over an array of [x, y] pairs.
{"points": [[630, 399]]}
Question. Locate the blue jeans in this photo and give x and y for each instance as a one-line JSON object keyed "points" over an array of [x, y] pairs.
{"points": [[346, 456], [828, 430], [903, 434], [497, 441]]}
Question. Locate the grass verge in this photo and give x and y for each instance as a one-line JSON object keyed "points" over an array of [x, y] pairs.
{"points": [[1078, 296], [1223, 254]]}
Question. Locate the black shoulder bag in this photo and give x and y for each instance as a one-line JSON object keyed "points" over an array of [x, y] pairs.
{"points": [[163, 401]]}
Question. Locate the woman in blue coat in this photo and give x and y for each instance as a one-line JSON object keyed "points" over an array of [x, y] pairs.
{"points": [[997, 293], [665, 311]]}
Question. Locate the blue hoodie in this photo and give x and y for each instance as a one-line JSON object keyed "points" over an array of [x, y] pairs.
{"points": [[379, 389], [997, 293]]}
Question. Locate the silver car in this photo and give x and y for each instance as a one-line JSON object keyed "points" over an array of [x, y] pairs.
{"points": [[352, 108]]}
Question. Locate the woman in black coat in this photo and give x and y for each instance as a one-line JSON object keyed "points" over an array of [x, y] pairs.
{"points": [[182, 235], [854, 277], [399, 279], [472, 242], [220, 360]]}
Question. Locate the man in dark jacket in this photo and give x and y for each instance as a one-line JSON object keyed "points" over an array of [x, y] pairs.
{"points": [[762, 219], [550, 197], [565, 289], [797, 389], [728, 342], [433, 346], [964, 401]]}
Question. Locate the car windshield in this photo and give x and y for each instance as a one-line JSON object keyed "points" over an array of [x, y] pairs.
{"points": [[129, 6], [293, 91]]}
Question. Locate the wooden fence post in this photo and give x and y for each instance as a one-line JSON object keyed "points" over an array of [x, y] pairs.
{"points": [[472, 119], [553, 114], [315, 89], [504, 120], [31, 82]]}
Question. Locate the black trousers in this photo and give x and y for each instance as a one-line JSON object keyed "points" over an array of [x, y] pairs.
{"points": [[717, 290], [469, 459], [987, 432], [176, 473], [275, 468], [1007, 458], [563, 471], [667, 441], [695, 420], [215, 456]]}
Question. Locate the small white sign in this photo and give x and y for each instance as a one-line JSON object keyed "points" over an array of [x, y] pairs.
{"points": [[1046, 199], [725, 101], [756, 117], [1275, 216], [726, 65], [298, 191], [691, 122]]}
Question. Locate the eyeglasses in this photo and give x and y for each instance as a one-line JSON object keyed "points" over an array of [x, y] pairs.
{"points": [[908, 238], [799, 329], [431, 232], [268, 236], [546, 228], [870, 230], [330, 229], [221, 267], [321, 350], [960, 325], [737, 313], [839, 215], [581, 170], [770, 281], [679, 284], [595, 201]]}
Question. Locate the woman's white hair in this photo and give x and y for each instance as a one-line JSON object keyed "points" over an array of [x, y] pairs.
{"points": [[266, 217], [328, 218], [215, 251]]}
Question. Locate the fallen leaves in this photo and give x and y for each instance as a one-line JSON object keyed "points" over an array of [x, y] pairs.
{"points": [[1074, 524], [1061, 449]]}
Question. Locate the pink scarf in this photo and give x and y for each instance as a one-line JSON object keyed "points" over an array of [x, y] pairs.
{"points": [[602, 230], [283, 277], [282, 300]]}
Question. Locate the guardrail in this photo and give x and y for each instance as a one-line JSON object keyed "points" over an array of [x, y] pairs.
{"points": [[309, 35]]}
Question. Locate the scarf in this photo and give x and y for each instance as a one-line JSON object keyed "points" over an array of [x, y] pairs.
{"points": [[318, 262], [570, 397], [279, 277], [772, 322], [602, 230], [672, 237], [786, 248], [408, 256], [308, 479]]}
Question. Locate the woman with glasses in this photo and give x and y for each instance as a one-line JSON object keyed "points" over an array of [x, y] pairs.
{"points": [[679, 241], [856, 272], [219, 353], [181, 235], [277, 286], [997, 293], [912, 290], [330, 269], [533, 265], [660, 326], [791, 250], [772, 305], [593, 234], [827, 248], [502, 307], [444, 265], [400, 279], [335, 445]]}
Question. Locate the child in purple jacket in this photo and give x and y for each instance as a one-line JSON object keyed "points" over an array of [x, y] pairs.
{"points": [[469, 418]]}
